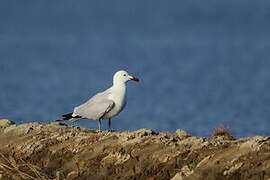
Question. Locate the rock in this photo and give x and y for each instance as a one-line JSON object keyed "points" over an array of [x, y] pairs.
{"points": [[144, 132], [194, 142], [252, 143], [30, 129], [177, 176], [21, 129], [205, 160], [185, 172], [72, 175], [6, 123], [233, 169], [116, 158]]}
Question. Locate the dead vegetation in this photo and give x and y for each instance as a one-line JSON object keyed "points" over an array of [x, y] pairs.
{"points": [[54, 151], [12, 169], [222, 131]]}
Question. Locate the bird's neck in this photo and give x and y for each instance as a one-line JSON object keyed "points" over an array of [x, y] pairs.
{"points": [[119, 87]]}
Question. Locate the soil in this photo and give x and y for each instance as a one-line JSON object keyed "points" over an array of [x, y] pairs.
{"points": [[57, 151]]}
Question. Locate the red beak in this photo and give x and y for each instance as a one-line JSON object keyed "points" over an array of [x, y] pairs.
{"points": [[134, 79]]}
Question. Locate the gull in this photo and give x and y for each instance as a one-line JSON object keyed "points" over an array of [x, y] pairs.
{"points": [[106, 104]]}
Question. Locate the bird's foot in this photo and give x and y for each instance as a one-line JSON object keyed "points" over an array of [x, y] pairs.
{"points": [[98, 131], [111, 130], [76, 127]]}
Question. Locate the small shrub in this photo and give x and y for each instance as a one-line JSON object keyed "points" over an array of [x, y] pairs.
{"points": [[222, 131]]}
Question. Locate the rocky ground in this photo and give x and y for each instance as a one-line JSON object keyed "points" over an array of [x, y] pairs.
{"points": [[56, 151]]}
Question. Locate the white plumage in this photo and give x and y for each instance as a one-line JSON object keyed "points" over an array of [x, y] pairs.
{"points": [[106, 104]]}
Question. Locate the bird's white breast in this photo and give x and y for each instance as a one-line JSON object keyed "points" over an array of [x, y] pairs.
{"points": [[118, 95]]}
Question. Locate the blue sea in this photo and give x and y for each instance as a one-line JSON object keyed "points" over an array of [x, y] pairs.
{"points": [[201, 63]]}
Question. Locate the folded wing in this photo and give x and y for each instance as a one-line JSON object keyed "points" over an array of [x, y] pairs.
{"points": [[95, 108]]}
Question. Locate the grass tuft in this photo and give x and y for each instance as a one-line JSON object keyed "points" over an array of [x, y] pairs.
{"points": [[14, 169], [222, 131]]}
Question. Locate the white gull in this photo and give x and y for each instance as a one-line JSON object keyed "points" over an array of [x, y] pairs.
{"points": [[106, 104]]}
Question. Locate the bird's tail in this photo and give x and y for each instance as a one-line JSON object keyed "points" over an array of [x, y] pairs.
{"points": [[69, 116]]}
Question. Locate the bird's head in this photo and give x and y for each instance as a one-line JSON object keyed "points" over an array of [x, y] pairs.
{"points": [[122, 77]]}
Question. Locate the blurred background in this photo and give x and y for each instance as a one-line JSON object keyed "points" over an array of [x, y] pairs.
{"points": [[201, 63]]}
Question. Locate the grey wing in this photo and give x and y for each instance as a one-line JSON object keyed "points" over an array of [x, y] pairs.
{"points": [[95, 108]]}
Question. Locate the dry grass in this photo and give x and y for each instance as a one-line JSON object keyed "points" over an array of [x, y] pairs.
{"points": [[19, 170], [222, 131]]}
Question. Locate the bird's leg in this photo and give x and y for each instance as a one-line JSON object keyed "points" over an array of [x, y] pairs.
{"points": [[99, 125], [110, 125]]}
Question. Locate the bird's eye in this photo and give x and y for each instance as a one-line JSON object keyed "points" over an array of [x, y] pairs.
{"points": [[125, 75]]}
